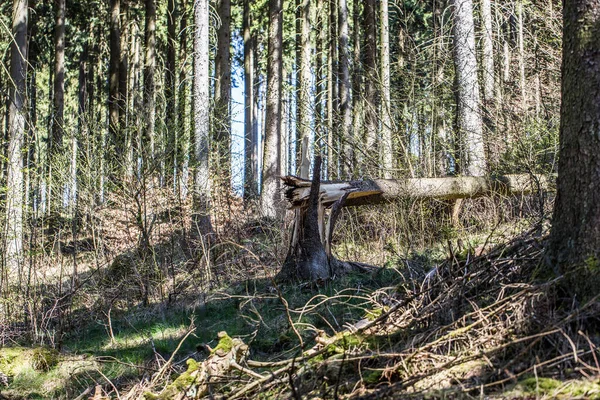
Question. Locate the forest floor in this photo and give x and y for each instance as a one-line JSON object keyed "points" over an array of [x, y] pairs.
{"points": [[458, 313]]}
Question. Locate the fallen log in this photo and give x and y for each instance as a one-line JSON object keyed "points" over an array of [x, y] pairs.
{"points": [[379, 191], [317, 206]]}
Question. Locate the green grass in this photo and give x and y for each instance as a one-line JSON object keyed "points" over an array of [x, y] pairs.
{"points": [[249, 309]]}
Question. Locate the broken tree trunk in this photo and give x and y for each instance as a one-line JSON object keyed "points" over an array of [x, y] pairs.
{"points": [[379, 191], [310, 257]]}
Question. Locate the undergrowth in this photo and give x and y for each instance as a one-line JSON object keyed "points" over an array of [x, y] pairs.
{"points": [[454, 311]]}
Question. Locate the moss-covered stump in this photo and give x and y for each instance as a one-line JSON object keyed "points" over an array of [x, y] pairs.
{"points": [[194, 383]]}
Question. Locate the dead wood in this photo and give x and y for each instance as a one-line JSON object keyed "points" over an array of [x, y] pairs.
{"points": [[379, 191]]}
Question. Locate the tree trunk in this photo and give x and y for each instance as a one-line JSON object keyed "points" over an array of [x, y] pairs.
{"points": [[371, 98], [13, 233], [113, 77], [357, 82], [303, 78], [270, 199], [387, 148], [488, 52], [173, 134], [250, 134], [59, 79], [521, 43], [575, 233], [201, 223], [332, 76], [347, 157], [183, 136], [321, 40], [358, 193], [223, 94], [470, 123], [149, 84]]}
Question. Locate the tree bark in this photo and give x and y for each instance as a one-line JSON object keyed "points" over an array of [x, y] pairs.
{"points": [[371, 98], [488, 52], [388, 190], [250, 133], [223, 94], [59, 79], [113, 76], [149, 84], [16, 130], [201, 223], [183, 134], [303, 79], [173, 133], [575, 234], [347, 157], [387, 148], [470, 123], [270, 199]]}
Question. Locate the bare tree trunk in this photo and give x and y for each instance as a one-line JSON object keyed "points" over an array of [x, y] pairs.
{"points": [[320, 77], [270, 198], [201, 223], [183, 138], [332, 76], [378, 191], [371, 98], [149, 84], [357, 82], [488, 52], [223, 94], [250, 134], [439, 125], [113, 76], [13, 255], [520, 39], [303, 78], [347, 156], [387, 147], [59, 78], [470, 123], [173, 133]]}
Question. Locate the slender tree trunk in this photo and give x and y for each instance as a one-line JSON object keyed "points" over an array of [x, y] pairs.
{"points": [[332, 77], [223, 94], [488, 52], [521, 40], [321, 38], [441, 135], [387, 147], [249, 133], [149, 84], [347, 159], [357, 82], [55, 148], [123, 75], [470, 123], [370, 69], [303, 79], [270, 197], [13, 251], [59, 78], [201, 223], [181, 158], [173, 134], [575, 234], [113, 77]]}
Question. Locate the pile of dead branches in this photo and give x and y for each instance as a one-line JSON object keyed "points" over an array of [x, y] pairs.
{"points": [[476, 324]]}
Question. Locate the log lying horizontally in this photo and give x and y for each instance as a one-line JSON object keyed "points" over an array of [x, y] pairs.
{"points": [[385, 190]]}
